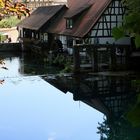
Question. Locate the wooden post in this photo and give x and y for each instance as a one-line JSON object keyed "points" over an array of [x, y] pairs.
{"points": [[92, 57], [50, 40], [127, 55], [77, 95], [95, 59], [76, 59], [113, 58]]}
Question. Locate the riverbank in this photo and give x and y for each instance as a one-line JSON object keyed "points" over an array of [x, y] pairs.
{"points": [[10, 47]]}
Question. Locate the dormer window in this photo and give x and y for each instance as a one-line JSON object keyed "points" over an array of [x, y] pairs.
{"points": [[75, 14], [69, 23]]}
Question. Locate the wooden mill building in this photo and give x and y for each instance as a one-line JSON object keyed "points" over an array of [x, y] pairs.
{"points": [[84, 28]]}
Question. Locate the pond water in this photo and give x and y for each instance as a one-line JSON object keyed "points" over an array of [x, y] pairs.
{"points": [[31, 108]]}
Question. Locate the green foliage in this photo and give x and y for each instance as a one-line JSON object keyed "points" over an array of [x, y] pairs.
{"points": [[132, 5], [118, 32], [59, 60], [64, 62], [134, 114], [131, 22], [9, 22], [2, 38], [137, 40], [117, 129], [68, 68]]}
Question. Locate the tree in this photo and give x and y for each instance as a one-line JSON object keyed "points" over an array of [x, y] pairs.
{"points": [[118, 129], [133, 115], [8, 7], [131, 22], [2, 63]]}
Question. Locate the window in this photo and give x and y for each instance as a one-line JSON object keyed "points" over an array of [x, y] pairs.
{"points": [[69, 23]]}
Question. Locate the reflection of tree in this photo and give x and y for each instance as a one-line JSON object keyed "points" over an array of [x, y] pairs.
{"points": [[118, 130], [111, 95], [36, 65], [122, 128], [1, 63], [103, 129], [134, 114]]}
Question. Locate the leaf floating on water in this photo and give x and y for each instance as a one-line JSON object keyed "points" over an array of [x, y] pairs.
{"points": [[1, 62], [4, 68], [1, 81]]}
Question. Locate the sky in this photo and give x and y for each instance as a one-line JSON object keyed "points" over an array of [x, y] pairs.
{"points": [[32, 109]]}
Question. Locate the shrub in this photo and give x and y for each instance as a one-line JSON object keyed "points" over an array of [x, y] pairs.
{"points": [[2, 38]]}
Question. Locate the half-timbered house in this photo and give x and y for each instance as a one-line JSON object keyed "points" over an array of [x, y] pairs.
{"points": [[87, 24]]}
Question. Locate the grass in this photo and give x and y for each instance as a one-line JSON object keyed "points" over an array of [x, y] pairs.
{"points": [[9, 22]]}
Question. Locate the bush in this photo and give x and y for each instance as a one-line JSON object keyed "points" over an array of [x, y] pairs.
{"points": [[9, 22], [2, 38]]}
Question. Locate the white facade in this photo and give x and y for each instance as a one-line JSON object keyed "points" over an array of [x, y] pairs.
{"points": [[112, 17], [101, 33]]}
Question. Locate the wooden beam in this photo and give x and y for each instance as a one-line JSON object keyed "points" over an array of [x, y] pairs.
{"points": [[95, 59], [76, 59], [113, 58]]}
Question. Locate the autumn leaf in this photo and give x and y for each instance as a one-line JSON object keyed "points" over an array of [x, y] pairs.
{"points": [[1, 81], [8, 6], [4, 68]]}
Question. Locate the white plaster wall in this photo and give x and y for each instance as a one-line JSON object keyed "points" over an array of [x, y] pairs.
{"points": [[110, 40]]}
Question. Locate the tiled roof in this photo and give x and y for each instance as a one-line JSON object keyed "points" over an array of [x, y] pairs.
{"points": [[40, 16], [90, 11], [76, 11], [85, 14]]}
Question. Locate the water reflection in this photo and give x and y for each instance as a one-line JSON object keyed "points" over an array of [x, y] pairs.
{"points": [[114, 94], [32, 109], [37, 110], [36, 65]]}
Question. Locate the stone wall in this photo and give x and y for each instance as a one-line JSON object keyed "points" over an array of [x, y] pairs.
{"points": [[10, 47]]}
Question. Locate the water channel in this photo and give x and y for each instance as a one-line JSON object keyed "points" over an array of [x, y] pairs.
{"points": [[88, 107]]}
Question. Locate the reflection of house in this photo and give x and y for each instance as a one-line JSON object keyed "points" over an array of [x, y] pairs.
{"points": [[110, 95], [88, 23]]}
